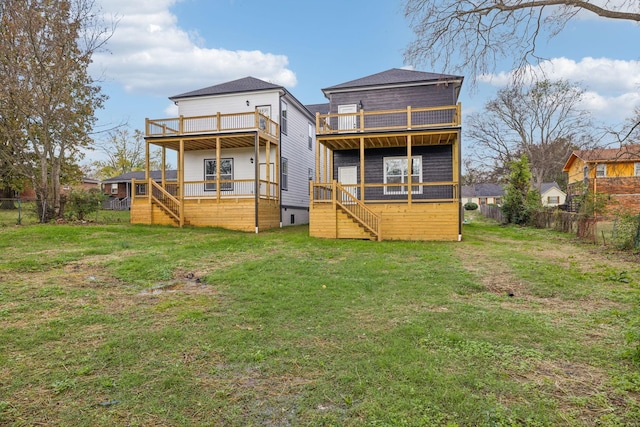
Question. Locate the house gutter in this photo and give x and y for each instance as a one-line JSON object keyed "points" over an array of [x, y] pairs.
{"points": [[279, 178]]}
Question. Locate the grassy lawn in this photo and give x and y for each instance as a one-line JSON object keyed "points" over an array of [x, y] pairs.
{"points": [[104, 325]]}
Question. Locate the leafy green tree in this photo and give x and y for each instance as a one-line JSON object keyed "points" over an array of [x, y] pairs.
{"points": [[520, 200], [47, 97], [84, 202]]}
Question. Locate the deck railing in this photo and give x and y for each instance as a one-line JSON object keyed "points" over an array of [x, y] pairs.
{"points": [[357, 210], [423, 192], [409, 118], [216, 123], [229, 189]]}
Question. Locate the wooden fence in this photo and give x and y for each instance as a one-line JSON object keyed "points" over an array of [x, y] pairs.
{"points": [[566, 222]]}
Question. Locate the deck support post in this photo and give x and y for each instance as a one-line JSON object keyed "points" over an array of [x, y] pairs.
{"points": [[409, 171], [256, 174], [362, 169], [181, 181]]}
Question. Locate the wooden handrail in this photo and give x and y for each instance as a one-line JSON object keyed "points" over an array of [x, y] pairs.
{"points": [[165, 200], [213, 123], [369, 220], [409, 118]]}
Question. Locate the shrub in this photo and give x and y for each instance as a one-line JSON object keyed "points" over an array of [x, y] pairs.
{"points": [[470, 206], [82, 203]]}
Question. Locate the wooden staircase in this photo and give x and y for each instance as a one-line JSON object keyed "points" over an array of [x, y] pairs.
{"points": [[364, 217], [167, 203]]}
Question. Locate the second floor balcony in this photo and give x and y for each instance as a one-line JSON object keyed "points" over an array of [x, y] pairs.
{"points": [[389, 120]]}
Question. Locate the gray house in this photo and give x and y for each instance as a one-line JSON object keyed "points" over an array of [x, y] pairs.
{"points": [[388, 158]]}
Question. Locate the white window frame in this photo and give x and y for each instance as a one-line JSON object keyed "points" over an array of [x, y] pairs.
{"points": [[114, 188], [311, 132], [224, 186], [601, 170], [284, 170], [283, 117], [636, 169], [400, 188]]}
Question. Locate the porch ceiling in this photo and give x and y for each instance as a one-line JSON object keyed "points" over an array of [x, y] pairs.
{"points": [[208, 142], [387, 140]]}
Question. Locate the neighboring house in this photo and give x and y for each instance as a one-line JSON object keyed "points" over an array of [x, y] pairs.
{"points": [[614, 172], [552, 195], [245, 155], [487, 193], [388, 158], [85, 183], [119, 190], [483, 194]]}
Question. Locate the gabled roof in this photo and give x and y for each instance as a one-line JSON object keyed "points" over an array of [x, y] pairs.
{"points": [[246, 84], [170, 175], [482, 190], [394, 77], [605, 155], [318, 108], [546, 186]]}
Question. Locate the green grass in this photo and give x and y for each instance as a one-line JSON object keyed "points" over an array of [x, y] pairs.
{"points": [[115, 324]]}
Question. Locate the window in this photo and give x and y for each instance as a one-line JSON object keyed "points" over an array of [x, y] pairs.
{"points": [[636, 169], [482, 200], [283, 120], [226, 174], [114, 188], [285, 174], [498, 200], [311, 131], [553, 200], [601, 170], [141, 189], [585, 172], [396, 171]]}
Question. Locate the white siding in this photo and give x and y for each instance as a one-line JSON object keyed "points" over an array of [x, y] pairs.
{"points": [[295, 148], [234, 103]]}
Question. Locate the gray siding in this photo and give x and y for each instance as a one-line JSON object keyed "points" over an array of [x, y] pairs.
{"points": [[397, 98], [437, 165], [295, 148]]}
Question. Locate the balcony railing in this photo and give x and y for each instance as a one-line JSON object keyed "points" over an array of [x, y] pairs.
{"points": [[369, 121], [423, 192], [229, 189], [217, 123]]}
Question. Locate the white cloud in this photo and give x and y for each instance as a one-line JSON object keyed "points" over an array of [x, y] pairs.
{"points": [[150, 54], [613, 86]]}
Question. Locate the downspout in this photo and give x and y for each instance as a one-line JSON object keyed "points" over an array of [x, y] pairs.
{"points": [[279, 159]]}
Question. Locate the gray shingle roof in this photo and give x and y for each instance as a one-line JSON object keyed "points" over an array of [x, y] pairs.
{"points": [[482, 190], [392, 77], [318, 108], [246, 84], [170, 175]]}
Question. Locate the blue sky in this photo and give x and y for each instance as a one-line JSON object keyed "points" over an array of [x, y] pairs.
{"points": [[162, 48]]}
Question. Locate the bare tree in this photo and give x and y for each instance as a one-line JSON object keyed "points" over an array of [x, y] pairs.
{"points": [[47, 98], [125, 153], [542, 122], [471, 36]]}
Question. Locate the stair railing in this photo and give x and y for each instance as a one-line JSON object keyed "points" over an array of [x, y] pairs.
{"points": [[165, 201], [357, 210]]}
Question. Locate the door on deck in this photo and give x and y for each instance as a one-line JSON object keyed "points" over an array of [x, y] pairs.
{"points": [[347, 122], [348, 178]]}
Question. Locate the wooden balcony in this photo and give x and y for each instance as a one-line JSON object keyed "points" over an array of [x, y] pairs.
{"points": [[388, 128], [218, 123]]}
